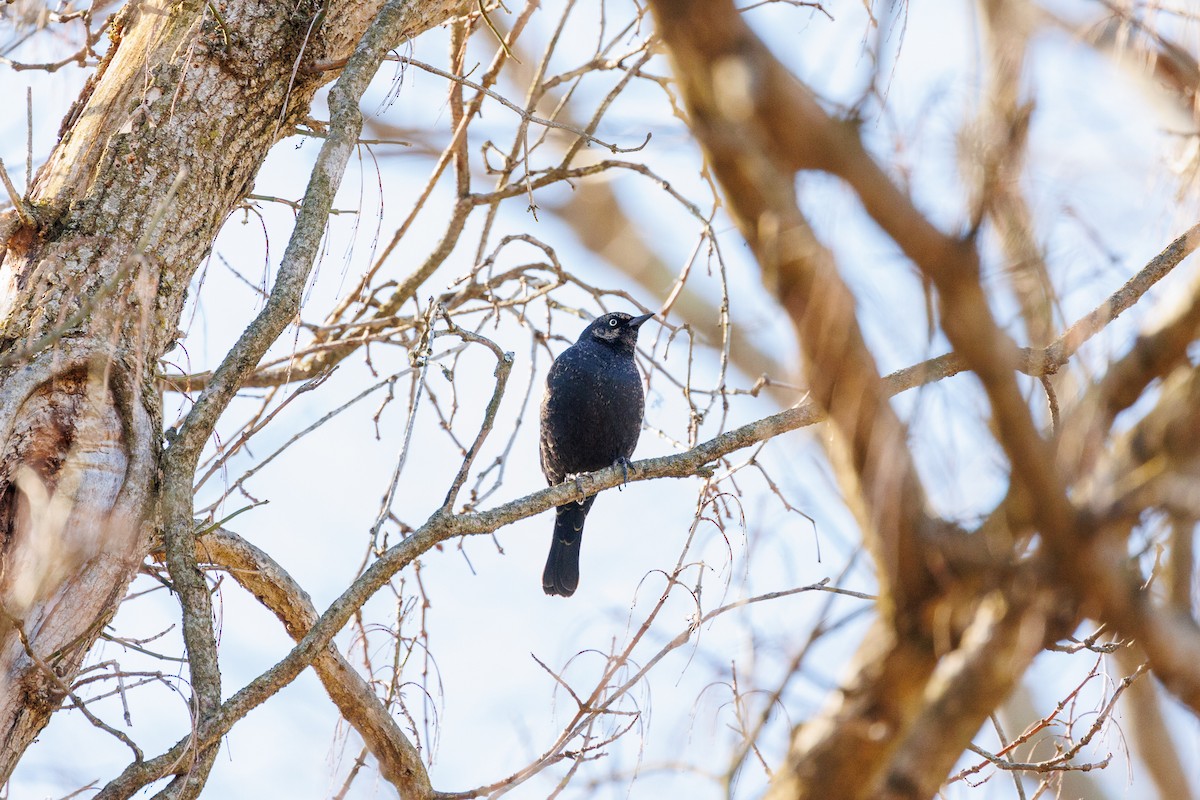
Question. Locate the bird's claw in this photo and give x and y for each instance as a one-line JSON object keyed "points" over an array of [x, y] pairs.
{"points": [[624, 464]]}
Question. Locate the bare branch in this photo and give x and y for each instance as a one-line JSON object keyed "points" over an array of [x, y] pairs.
{"points": [[179, 463], [259, 574]]}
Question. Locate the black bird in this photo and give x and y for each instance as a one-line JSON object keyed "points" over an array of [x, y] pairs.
{"points": [[591, 418]]}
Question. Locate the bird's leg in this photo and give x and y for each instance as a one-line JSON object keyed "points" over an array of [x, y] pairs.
{"points": [[624, 464], [578, 478]]}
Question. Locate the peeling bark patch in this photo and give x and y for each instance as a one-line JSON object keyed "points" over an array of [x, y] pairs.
{"points": [[60, 473], [20, 241], [46, 428]]}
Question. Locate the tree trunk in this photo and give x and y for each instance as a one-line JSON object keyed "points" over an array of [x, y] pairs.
{"points": [[164, 141]]}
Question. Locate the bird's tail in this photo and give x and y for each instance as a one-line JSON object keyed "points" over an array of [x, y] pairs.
{"points": [[561, 576]]}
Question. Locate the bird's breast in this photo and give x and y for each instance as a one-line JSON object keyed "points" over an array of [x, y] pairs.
{"points": [[591, 412]]}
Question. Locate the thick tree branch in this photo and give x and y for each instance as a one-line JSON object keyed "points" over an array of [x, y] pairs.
{"points": [[1006, 632], [1155, 465], [756, 122], [726, 76], [1153, 355], [739, 99], [994, 149], [399, 761], [733, 75], [181, 457]]}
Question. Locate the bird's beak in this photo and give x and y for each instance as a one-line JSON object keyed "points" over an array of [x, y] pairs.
{"points": [[636, 322]]}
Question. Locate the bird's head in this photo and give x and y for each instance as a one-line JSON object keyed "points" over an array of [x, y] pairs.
{"points": [[617, 329]]}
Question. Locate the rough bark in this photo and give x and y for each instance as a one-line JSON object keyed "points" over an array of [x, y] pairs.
{"points": [[164, 141]]}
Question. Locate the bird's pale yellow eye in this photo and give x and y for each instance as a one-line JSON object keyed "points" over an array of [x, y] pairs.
{"points": [[612, 323]]}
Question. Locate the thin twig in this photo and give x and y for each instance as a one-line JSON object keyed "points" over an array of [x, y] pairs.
{"points": [[504, 362], [526, 116], [18, 201]]}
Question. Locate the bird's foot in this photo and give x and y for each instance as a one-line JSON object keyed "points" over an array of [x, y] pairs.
{"points": [[624, 463], [579, 486]]}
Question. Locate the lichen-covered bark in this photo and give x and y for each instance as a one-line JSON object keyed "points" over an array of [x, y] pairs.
{"points": [[164, 141]]}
